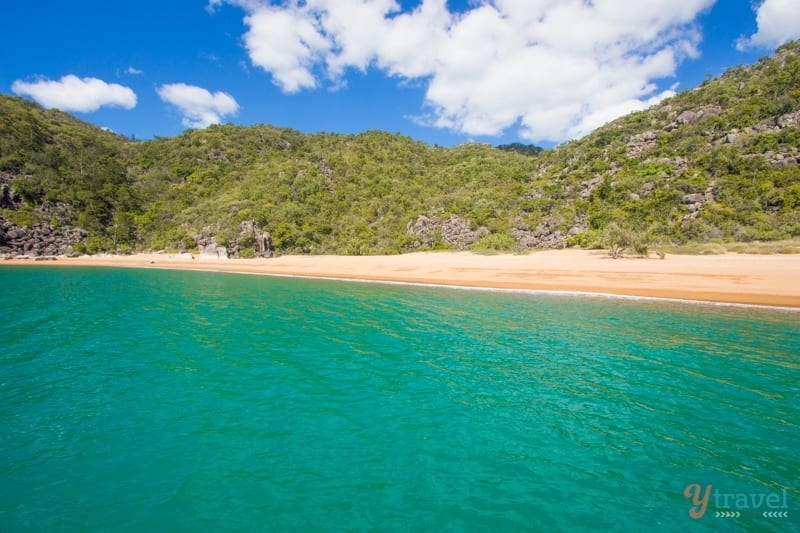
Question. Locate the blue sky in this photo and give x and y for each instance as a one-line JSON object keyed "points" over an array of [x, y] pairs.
{"points": [[539, 71]]}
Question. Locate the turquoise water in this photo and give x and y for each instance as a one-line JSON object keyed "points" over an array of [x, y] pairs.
{"points": [[159, 400]]}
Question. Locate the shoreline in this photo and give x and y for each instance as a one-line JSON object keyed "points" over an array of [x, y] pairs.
{"points": [[761, 280]]}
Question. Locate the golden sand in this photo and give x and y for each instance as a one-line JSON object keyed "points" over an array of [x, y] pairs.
{"points": [[772, 280]]}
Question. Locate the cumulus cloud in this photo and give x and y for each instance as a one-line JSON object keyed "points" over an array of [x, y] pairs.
{"points": [[72, 93], [284, 42], [199, 107], [554, 68], [778, 22]]}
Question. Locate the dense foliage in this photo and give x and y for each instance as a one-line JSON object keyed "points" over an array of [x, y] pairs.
{"points": [[716, 162], [527, 149]]}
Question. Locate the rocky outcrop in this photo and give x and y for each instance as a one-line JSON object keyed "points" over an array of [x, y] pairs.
{"points": [[690, 116], [545, 235], [251, 237], [679, 165], [646, 190], [587, 187], [251, 241], [694, 202], [207, 245], [740, 137], [37, 240], [263, 243], [694, 198], [787, 120], [453, 231], [783, 158], [211, 250], [41, 239], [642, 142], [7, 197]]}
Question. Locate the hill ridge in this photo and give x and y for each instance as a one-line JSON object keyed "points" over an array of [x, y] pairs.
{"points": [[718, 162]]}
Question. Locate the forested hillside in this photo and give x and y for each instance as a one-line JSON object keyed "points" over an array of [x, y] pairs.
{"points": [[717, 162]]}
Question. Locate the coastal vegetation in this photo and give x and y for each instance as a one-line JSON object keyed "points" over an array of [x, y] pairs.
{"points": [[719, 164]]}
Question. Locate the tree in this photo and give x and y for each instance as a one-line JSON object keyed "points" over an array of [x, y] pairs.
{"points": [[617, 239]]}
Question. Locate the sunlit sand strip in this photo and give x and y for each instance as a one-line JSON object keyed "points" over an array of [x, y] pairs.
{"points": [[756, 280]]}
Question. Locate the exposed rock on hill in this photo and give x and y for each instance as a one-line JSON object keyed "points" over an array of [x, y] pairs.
{"points": [[37, 240], [251, 237], [453, 231], [208, 247], [7, 197]]}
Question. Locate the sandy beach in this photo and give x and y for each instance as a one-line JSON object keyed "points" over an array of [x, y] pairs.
{"points": [[772, 280]]}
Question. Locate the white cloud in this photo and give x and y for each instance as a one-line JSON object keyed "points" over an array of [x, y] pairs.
{"points": [[555, 68], [286, 43], [778, 22], [133, 71], [71, 93], [199, 107]]}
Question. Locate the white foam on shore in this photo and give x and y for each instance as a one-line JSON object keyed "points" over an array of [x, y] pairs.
{"points": [[533, 292]]}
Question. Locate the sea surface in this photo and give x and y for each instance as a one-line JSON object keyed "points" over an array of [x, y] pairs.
{"points": [[150, 400]]}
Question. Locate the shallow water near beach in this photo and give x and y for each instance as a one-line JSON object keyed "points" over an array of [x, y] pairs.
{"points": [[135, 399]]}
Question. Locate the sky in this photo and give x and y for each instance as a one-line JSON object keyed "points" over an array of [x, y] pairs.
{"points": [[443, 72]]}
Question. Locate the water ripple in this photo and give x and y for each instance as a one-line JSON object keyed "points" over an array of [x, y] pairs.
{"points": [[207, 401]]}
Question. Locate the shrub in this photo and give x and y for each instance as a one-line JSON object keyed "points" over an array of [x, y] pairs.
{"points": [[592, 239], [617, 239], [23, 216], [641, 246], [494, 241], [745, 234]]}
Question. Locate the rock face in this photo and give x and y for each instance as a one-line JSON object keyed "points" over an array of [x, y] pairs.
{"points": [[208, 247], [250, 236], [693, 116], [212, 250], [695, 198], [587, 187], [37, 240], [261, 240], [40, 239], [263, 244], [453, 231], [642, 142], [545, 235], [7, 199], [646, 141], [694, 202], [783, 158]]}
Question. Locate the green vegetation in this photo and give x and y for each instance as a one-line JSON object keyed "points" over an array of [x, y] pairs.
{"points": [[718, 164], [791, 246], [527, 149]]}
